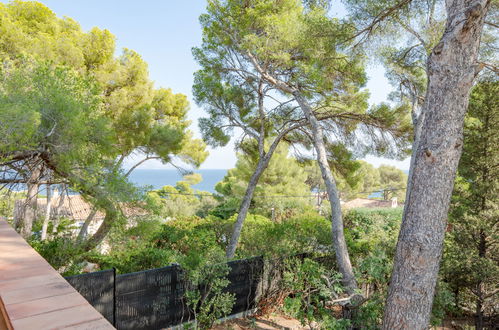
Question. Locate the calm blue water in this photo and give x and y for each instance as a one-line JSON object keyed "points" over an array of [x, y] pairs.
{"points": [[160, 178]]}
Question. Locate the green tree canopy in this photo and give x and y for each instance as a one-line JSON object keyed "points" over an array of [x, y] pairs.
{"points": [[393, 182], [470, 262], [123, 114], [283, 177], [181, 200], [365, 180], [143, 118], [297, 54]]}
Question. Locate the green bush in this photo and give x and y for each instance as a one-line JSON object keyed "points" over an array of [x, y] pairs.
{"points": [[311, 286], [134, 259], [371, 236], [193, 236], [443, 303], [304, 233], [370, 314], [7, 202], [61, 253], [205, 280]]}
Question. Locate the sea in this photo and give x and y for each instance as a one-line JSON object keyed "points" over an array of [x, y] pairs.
{"points": [[157, 178]]}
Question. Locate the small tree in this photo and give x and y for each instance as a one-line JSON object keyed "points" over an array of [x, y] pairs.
{"points": [[393, 181], [205, 294]]}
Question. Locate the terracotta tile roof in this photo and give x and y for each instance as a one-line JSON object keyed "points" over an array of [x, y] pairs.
{"points": [[34, 296], [368, 203], [73, 207]]}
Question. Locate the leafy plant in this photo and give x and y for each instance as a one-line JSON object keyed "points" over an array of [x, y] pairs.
{"points": [[205, 295], [312, 286], [61, 253]]}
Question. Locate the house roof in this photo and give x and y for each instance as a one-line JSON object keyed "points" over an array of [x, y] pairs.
{"points": [[73, 207], [368, 203]]}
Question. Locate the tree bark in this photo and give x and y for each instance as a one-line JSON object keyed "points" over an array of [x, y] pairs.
{"points": [[339, 243], [47, 213], [25, 224], [417, 124], [112, 212], [451, 71]]}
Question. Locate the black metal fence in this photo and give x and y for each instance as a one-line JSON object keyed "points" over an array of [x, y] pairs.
{"points": [[99, 290], [154, 299]]}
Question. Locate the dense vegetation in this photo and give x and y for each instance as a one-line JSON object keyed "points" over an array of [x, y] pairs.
{"points": [[290, 80]]}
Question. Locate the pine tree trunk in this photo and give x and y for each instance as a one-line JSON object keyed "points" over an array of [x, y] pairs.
{"points": [[86, 224], [417, 124], [112, 215], [451, 71], [47, 214], [262, 164], [339, 243]]}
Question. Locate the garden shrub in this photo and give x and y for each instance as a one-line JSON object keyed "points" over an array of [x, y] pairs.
{"points": [[61, 253], [205, 280], [311, 286], [371, 236], [134, 259], [305, 233]]}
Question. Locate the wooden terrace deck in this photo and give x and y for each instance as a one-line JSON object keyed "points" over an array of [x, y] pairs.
{"points": [[34, 296]]}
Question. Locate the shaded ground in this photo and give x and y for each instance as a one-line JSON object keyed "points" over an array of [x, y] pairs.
{"points": [[458, 324], [274, 322], [278, 322]]}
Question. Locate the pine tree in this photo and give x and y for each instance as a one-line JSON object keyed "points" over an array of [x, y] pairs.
{"points": [[470, 261]]}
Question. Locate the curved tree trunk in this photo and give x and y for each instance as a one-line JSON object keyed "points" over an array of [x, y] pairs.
{"points": [[112, 212], [84, 229], [110, 207], [245, 204], [451, 71], [112, 215], [339, 243]]}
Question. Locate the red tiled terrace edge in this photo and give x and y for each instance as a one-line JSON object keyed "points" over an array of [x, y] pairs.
{"points": [[34, 296]]}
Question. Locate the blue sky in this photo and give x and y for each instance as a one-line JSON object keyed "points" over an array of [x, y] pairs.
{"points": [[163, 32]]}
